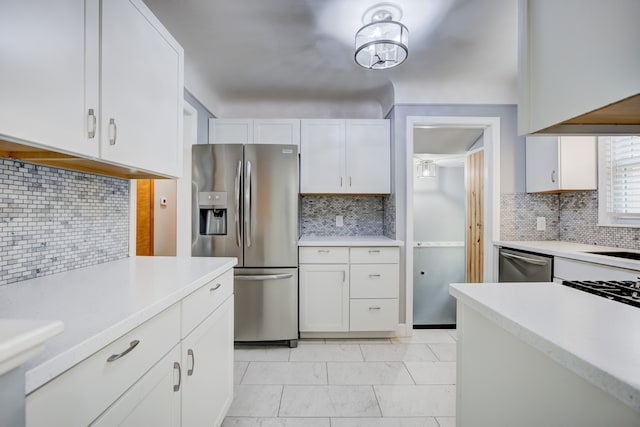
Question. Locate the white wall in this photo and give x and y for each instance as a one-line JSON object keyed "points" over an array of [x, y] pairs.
{"points": [[164, 217]]}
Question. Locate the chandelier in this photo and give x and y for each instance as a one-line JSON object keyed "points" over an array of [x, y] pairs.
{"points": [[382, 42]]}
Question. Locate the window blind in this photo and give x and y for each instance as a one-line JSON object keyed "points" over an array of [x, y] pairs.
{"points": [[623, 170]]}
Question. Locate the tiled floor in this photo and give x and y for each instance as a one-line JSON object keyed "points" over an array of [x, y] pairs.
{"points": [[404, 382]]}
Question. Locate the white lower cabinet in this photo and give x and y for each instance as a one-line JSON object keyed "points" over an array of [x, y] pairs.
{"points": [[175, 369], [207, 369], [359, 294]]}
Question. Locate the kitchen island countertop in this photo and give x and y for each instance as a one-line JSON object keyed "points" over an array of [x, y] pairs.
{"points": [[348, 241], [593, 337], [100, 303]]}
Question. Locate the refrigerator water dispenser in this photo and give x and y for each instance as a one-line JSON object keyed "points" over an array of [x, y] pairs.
{"points": [[213, 213]]}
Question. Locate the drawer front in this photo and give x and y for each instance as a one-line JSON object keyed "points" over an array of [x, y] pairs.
{"points": [[323, 255], [79, 395], [570, 269], [375, 255], [201, 303], [374, 280], [373, 315]]}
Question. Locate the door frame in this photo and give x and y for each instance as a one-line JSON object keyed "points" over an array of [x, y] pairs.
{"points": [[491, 144]]}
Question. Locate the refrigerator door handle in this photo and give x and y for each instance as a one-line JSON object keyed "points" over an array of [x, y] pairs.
{"points": [[261, 277], [247, 205], [237, 203]]}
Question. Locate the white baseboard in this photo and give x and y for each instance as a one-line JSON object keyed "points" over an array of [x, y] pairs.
{"points": [[401, 331]]}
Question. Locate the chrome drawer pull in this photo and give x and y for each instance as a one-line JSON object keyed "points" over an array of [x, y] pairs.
{"points": [[176, 387], [374, 275], [115, 357], [193, 362], [374, 251], [215, 288], [374, 308], [323, 251]]}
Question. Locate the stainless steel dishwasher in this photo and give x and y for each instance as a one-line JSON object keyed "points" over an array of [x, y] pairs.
{"points": [[521, 266]]}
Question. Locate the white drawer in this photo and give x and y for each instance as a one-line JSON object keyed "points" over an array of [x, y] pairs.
{"points": [[323, 255], [86, 390], [201, 303], [375, 255], [374, 280], [373, 315], [570, 269]]}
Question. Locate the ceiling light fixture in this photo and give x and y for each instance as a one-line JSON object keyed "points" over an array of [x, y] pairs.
{"points": [[382, 42]]}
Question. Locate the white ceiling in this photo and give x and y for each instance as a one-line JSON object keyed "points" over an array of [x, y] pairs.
{"points": [[250, 52]]}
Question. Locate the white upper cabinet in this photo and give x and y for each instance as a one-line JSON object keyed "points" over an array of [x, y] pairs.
{"points": [[578, 66], [254, 131], [42, 78], [95, 79], [345, 156], [561, 163], [141, 89]]}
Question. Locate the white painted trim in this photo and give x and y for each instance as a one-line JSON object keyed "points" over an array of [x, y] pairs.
{"points": [[183, 196], [491, 145], [132, 217]]}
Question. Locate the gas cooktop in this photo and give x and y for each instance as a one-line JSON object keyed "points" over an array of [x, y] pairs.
{"points": [[624, 291]]}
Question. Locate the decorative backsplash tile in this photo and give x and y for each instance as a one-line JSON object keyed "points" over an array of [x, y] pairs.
{"points": [[54, 220], [362, 215], [579, 223], [518, 213], [389, 216]]}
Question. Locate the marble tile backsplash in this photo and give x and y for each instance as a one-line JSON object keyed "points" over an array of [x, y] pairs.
{"points": [[54, 220], [570, 216], [389, 216], [362, 215]]}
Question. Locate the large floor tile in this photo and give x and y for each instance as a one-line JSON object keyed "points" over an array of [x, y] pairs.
{"points": [[275, 422], [446, 421], [417, 400], [329, 401], [384, 422], [261, 354], [426, 336], [397, 353], [239, 368], [326, 353], [432, 372], [358, 340], [255, 401], [445, 352], [361, 373], [454, 334], [286, 373]]}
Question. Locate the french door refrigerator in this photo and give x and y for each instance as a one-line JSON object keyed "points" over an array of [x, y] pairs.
{"points": [[245, 205]]}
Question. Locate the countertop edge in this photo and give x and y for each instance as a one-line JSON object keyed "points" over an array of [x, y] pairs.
{"points": [[44, 372], [346, 241], [26, 341], [617, 387]]}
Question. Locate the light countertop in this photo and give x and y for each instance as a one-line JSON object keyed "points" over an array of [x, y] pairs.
{"points": [[100, 303], [591, 336], [21, 340], [348, 241], [573, 250]]}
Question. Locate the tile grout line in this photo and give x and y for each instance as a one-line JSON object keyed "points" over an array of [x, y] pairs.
{"points": [[404, 363], [245, 372], [377, 400], [280, 402]]}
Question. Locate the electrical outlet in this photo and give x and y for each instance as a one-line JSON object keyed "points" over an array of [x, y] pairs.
{"points": [[541, 223], [163, 201], [339, 221]]}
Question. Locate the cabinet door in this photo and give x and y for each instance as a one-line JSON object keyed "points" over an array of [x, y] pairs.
{"points": [[151, 401], [230, 131], [368, 157], [578, 163], [542, 164], [324, 297], [43, 74], [141, 90], [276, 131], [322, 156], [207, 374]]}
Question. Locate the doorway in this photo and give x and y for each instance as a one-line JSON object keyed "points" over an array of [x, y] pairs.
{"points": [[451, 220]]}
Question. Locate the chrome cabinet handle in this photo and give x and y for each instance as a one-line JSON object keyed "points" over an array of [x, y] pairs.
{"points": [[247, 205], [374, 275], [216, 287], [340, 182], [349, 181], [524, 259], [92, 124], [553, 176], [374, 251], [113, 127], [374, 308], [115, 357], [193, 362], [176, 387], [237, 203], [344, 276], [323, 251]]}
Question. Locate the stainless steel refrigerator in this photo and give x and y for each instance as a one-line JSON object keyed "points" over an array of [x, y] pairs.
{"points": [[245, 205]]}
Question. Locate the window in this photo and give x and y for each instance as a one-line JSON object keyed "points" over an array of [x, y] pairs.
{"points": [[619, 181]]}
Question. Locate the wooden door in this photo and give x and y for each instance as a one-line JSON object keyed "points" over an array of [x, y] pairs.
{"points": [[475, 217], [144, 217]]}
